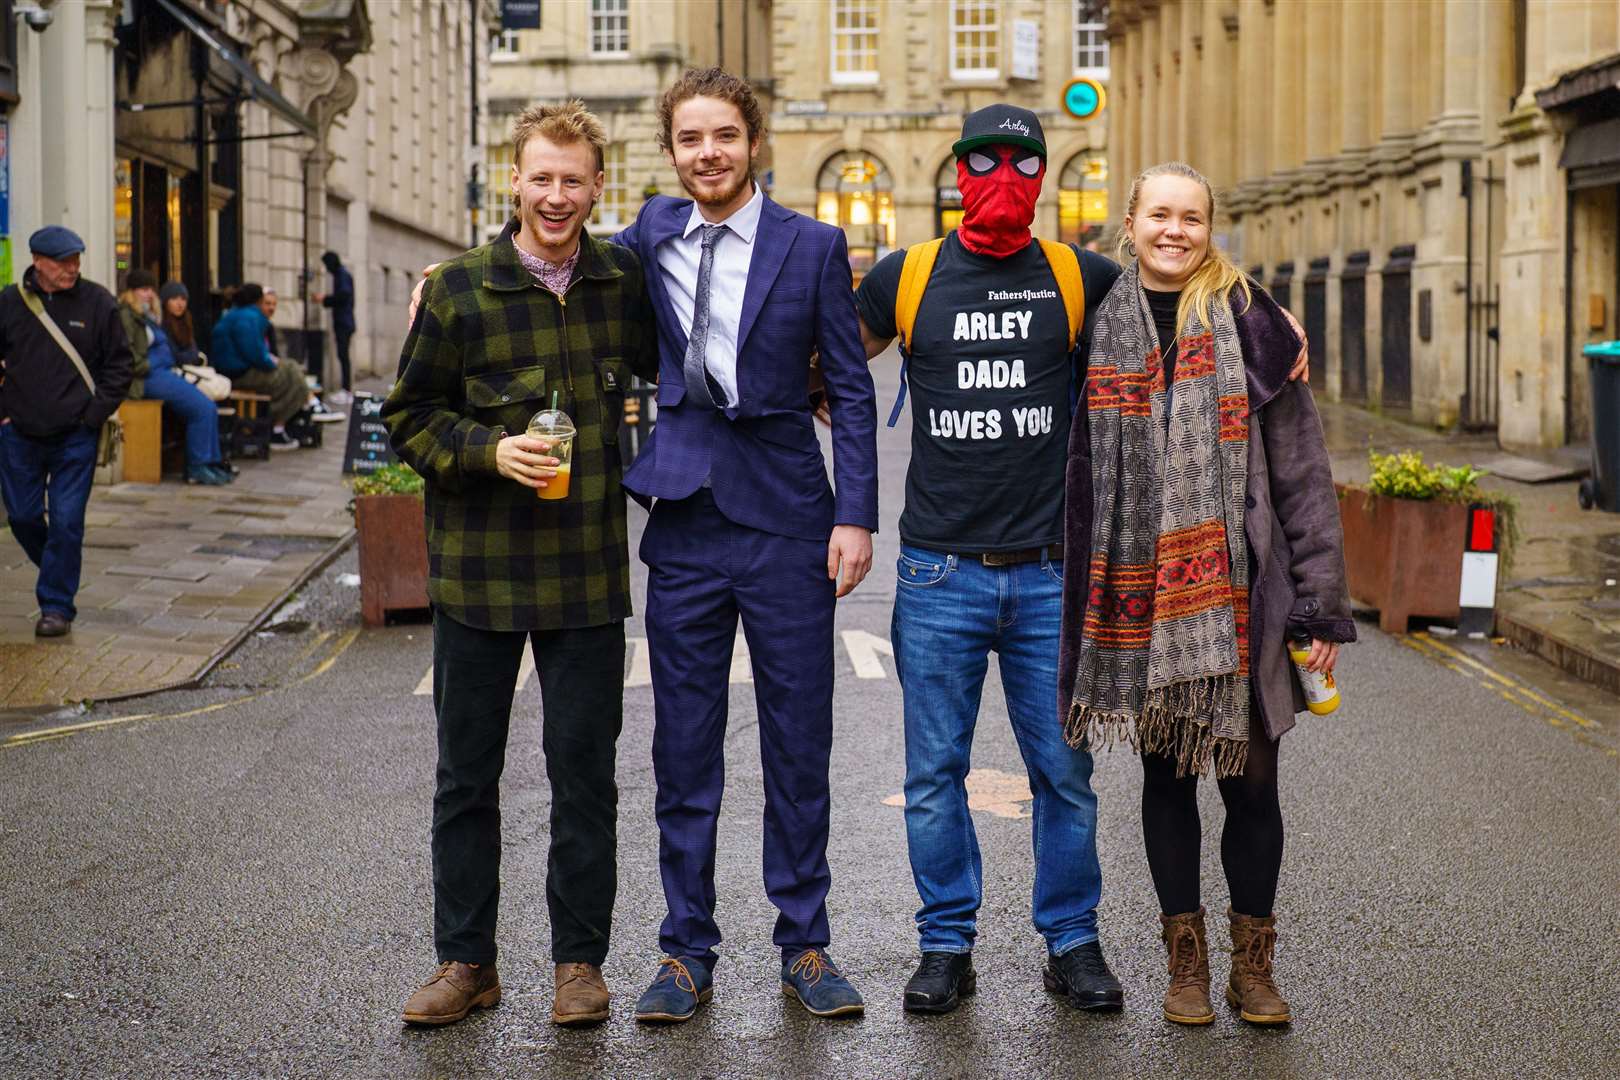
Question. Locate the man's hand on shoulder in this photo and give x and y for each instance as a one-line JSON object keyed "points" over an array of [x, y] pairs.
{"points": [[416, 295], [850, 548], [1302, 363]]}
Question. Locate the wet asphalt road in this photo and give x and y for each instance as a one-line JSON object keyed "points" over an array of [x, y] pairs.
{"points": [[245, 891]]}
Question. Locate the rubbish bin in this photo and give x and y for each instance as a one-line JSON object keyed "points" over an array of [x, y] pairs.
{"points": [[1602, 488]]}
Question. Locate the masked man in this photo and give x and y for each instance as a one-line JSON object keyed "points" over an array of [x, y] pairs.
{"points": [[991, 365]]}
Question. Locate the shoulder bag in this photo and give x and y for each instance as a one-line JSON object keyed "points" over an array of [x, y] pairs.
{"points": [[111, 437]]}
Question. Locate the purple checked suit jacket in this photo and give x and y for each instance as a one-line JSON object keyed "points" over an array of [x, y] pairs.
{"points": [[761, 455]]}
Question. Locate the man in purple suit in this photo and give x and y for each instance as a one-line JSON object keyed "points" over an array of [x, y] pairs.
{"points": [[744, 524]]}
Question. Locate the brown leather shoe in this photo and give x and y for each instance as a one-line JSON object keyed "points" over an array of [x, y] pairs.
{"points": [[582, 995], [455, 990], [1251, 990], [51, 624], [1187, 1000]]}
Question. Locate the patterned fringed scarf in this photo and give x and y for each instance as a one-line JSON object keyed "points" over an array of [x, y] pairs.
{"points": [[1164, 652]]}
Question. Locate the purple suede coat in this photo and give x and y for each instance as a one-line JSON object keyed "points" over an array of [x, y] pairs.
{"points": [[1296, 542]]}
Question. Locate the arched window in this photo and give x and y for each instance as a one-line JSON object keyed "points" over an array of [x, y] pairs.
{"points": [[1083, 198], [947, 198], [855, 192]]}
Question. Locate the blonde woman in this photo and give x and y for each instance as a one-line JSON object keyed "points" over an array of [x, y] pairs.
{"points": [[1201, 504]]}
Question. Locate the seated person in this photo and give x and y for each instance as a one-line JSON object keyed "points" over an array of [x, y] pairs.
{"points": [[177, 324], [156, 379], [239, 351]]}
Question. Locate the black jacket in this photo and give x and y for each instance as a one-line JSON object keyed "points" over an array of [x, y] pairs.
{"points": [[341, 301], [43, 393]]}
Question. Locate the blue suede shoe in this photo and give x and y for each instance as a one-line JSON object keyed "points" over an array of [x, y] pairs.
{"points": [[812, 978], [680, 986]]}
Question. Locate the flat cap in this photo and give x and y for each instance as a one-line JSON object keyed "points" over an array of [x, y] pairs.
{"points": [[55, 242]]}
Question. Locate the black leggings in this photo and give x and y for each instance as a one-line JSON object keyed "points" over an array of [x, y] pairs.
{"points": [[1251, 842]]}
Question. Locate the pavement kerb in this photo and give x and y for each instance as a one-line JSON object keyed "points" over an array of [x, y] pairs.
{"points": [[1559, 651], [327, 557]]}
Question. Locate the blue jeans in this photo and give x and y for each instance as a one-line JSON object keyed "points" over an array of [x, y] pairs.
{"points": [[949, 614], [200, 415], [54, 475]]}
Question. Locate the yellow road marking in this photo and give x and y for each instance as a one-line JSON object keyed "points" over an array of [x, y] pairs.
{"points": [[326, 665], [1551, 706], [48, 734], [1509, 689]]}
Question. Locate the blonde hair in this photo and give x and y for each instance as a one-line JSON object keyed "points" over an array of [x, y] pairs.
{"points": [[563, 123], [1216, 276]]}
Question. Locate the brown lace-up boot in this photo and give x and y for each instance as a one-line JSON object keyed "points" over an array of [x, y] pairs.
{"points": [[454, 990], [1250, 989], [582, 995], [1187, 1000]]}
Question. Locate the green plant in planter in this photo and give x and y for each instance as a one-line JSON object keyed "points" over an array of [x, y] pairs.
{"points": [[1405, 476], [394, 479]]}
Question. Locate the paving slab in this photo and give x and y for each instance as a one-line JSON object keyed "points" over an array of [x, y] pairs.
{"points": [[174, 576]]}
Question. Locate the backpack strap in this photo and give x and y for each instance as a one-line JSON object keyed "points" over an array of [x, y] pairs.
{"points": [[914, 275], [1065, 266]]}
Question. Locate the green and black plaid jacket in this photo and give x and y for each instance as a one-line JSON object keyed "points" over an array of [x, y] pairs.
{"points": [[488, 348]]}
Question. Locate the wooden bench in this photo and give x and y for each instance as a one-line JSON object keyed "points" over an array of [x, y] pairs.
{"points": [[143, 440], [246, 402], [244, 431]]}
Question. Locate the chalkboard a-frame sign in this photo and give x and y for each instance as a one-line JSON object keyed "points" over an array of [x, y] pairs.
{"points": [[368, 449]]}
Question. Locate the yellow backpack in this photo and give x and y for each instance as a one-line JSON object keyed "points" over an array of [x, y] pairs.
{"points": [[919, 267]]}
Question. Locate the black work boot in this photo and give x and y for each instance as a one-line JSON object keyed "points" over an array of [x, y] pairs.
{"points": [[1081, 975], [941, 981]]}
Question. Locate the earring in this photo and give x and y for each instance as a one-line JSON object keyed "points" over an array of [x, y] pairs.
{"points": [[1130, 246]]}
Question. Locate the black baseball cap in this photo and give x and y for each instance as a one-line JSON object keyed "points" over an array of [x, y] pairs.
{"points": [[1006, 124]]}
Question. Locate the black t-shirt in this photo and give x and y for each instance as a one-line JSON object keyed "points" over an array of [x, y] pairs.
{"points": [[1163, 305], [991, 386]]}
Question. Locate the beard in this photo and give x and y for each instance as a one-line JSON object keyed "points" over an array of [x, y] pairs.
{"points": [[724, 195]]}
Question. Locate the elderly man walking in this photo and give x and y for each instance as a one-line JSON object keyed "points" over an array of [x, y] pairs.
{"points": [[67, 368]]}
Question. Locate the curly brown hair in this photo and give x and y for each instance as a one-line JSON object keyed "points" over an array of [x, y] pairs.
{"points": [[710, 82]]}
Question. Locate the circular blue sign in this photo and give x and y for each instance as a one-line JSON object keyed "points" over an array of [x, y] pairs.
{"points": [[1083, 98]]}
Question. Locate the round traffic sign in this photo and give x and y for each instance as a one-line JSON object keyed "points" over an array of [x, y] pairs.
{"points": [[1084, 98]]}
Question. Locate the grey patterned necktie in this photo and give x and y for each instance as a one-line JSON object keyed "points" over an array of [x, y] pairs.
{"points": [[697, 347]]}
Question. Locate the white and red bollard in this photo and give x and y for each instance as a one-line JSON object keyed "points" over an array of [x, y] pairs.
{"points": [[1476, 615]]}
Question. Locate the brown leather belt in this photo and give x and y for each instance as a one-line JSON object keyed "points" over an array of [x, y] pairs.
{"points": [[1014, 558]]}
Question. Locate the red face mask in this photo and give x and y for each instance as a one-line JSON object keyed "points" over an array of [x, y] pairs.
{"points": [[999, 186]]}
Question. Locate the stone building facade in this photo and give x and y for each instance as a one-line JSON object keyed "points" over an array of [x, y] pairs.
{"points": [[870, 95], [1430, 184], [219, 142], [618, 57]]}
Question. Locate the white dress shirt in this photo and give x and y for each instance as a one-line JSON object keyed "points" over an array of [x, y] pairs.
{"points": [[678, 259]]}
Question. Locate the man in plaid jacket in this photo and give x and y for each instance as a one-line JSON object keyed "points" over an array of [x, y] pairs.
{"points": [[544, 311]]}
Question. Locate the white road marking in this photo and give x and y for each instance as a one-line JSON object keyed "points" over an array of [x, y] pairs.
{"points": [[525, 673], [864, 650], [640, 663]]}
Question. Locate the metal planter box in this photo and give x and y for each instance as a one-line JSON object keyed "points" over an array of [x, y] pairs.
{"points": [[1403, 556], [393, 555]]}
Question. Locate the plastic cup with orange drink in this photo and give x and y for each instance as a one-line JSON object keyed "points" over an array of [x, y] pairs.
{"points": [[555, 427]]}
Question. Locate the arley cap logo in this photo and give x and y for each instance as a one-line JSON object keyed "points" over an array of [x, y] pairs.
{"points": [[1011, 124]]}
